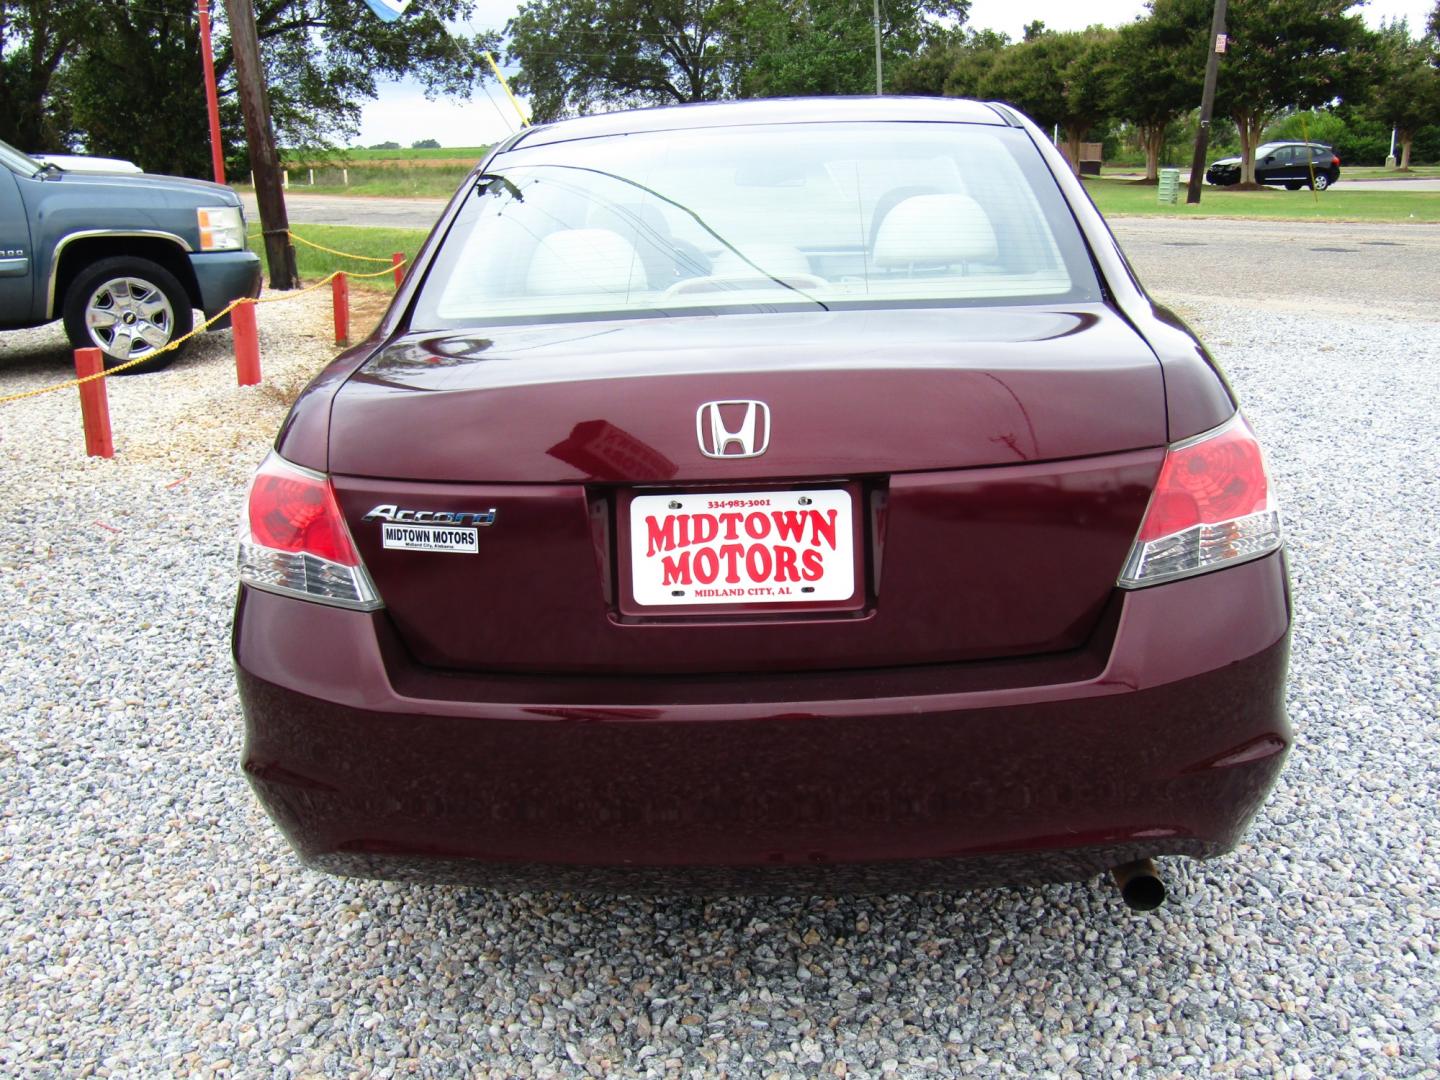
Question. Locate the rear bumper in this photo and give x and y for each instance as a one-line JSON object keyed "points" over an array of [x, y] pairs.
{"points": [[224, 276], [1161, 738]]}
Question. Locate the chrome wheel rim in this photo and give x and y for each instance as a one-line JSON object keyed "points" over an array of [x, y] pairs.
{"points": [[129, 318], [1322, 182]]}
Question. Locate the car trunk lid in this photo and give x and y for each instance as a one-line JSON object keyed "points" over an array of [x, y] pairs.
{"points": [[988, 466]]}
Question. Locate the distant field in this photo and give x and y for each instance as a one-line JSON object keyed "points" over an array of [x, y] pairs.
{"points": [[436, 179], [433, 173], [471, 154], [446, 155], [1125, 197]]}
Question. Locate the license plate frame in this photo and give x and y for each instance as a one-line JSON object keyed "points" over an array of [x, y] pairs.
{"points": [[841, 588]]}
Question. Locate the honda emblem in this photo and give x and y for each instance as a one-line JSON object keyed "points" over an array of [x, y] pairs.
{"points": [[733, 429]]}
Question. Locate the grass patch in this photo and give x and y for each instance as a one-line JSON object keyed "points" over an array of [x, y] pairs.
{"points": [[1120, 197], [376, 243]]}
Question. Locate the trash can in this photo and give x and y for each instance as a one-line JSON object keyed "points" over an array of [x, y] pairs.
{"points": [[1169, 191]]}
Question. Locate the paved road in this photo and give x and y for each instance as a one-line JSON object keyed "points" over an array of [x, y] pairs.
{"points": [[355, 210], [1295, 266]]}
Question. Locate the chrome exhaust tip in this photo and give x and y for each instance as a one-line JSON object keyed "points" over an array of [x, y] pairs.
{"points": [[1140, 885]]}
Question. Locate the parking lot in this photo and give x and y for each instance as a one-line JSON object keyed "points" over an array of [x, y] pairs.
{"points": [[153, 921]]}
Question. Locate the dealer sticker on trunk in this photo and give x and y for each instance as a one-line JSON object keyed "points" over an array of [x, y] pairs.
{"points": [[409, 537], [742, 547]]}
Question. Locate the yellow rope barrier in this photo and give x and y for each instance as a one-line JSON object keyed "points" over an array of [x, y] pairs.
{"points": [[177, 342], [332, 251], [167, 347], [327, 250], [311, 288]]}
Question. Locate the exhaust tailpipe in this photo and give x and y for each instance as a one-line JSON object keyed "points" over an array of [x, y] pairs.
{"points": [[1140, 885]]}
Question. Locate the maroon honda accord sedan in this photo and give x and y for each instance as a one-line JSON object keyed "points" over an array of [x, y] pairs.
{"points": [[790, 496]]}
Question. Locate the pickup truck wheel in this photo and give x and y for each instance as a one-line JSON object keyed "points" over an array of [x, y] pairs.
{"points": [[127, 308]]}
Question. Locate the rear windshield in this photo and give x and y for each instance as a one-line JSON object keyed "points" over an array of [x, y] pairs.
{"points": [[759, 218]]}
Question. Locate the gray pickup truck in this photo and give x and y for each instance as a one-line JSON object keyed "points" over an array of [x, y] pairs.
{"points": [[123, 259]]}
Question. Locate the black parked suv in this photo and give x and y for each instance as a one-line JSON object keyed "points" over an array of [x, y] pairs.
{"points": [[1287, 163]]}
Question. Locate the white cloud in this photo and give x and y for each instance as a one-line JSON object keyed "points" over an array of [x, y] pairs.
{"points": [[403, 115]]}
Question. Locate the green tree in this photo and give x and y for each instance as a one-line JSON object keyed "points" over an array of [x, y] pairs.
{"points": [[1406, 94], [35, 38], [1057, 79], [162, 126], [323, 60], [576, 56], [1286, 54], [425, 144], [955, 66], [1156, 72], [827, 46]]}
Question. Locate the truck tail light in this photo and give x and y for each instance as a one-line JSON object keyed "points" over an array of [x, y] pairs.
{"points": [[1211, 507], [293, 539]]}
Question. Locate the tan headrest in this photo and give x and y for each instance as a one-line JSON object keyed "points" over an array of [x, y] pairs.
{"points": [[581, 261], [935, 230]]}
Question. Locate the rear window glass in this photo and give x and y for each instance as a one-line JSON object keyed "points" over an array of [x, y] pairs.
{"points": [[759, 218]]}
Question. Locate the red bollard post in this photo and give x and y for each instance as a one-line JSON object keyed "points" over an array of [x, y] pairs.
{"points": [[340, 294], [94, 404], [247, 345], [399, 262]]}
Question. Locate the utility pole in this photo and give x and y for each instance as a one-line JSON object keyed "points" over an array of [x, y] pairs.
{"points": [[879, 75], [1207, 102], [212, 97], [264, 162]]}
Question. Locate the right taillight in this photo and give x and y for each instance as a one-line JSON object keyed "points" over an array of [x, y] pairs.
{"points": [[293, 539], [1211, 507]]}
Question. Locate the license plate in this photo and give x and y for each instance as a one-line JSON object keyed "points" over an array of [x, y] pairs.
{"points": [[429, 537], [742, 547]]}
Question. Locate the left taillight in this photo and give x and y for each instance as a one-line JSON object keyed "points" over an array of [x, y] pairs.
{"points": [[293, 539], [1212, 507]]}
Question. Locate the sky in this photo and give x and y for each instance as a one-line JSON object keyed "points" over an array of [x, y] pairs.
{"points": [[402, 114]]}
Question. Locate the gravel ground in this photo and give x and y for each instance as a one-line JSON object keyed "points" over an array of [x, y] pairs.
{"points": [[153, 922]]}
